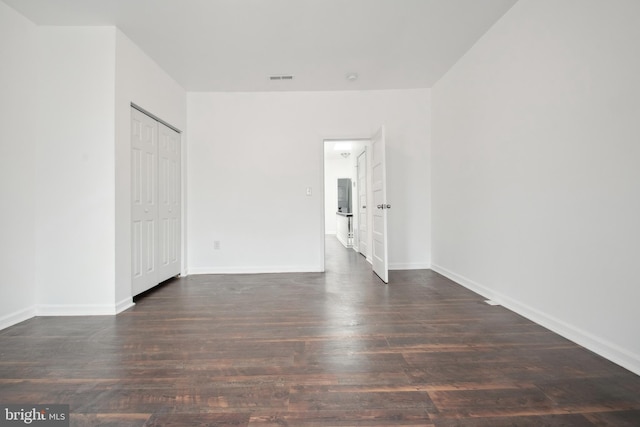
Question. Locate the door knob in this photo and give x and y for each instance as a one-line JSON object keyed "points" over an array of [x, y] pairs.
{"points": [[364, 207]]}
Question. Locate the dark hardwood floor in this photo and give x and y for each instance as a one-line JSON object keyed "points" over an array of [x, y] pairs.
{"points": [[333, 349]]}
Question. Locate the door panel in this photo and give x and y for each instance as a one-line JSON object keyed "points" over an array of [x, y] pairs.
{"points": [[144, 200], [169, 202], [379, 205], [363, 244]]}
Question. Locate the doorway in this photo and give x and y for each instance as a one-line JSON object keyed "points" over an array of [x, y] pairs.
{"points": [[346, 195], [374, 207]]}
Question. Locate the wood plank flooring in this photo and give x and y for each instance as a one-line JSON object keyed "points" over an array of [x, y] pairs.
{"points": [[333, 349]]}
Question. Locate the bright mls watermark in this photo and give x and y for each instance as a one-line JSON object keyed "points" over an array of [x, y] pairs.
{"points": [[34, 415]]}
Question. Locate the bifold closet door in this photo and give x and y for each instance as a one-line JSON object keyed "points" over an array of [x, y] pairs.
{"points": [[144, 192], [169, 203], [155, 191]]}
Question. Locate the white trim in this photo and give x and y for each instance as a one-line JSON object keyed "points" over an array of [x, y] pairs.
{"points": [[256, 270], [65, 310], [17, 317], [76, 310], [409, 266], [125, 304], [321, 193], [323, 140], [598, 345]]}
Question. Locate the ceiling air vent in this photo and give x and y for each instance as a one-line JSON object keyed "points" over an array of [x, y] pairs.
{"points": [[284, 77]]}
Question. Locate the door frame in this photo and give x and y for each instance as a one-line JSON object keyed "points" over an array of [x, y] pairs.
{"points": [[183, 188], [323, 140], [365, 151]]}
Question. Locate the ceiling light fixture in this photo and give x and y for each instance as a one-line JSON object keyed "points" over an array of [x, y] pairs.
{"points": [[342, 146], [345, 155], [352, 77]]}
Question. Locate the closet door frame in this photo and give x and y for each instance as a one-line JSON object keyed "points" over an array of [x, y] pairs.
{"points": [[156, 188]]}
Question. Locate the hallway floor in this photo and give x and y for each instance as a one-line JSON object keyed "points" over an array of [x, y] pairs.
{"points": [[334, 349]]}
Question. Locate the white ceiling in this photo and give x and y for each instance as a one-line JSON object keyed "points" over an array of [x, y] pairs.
{"points": [[235, 45]]}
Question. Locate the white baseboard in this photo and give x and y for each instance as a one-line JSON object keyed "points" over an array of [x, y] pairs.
{"points": [[598, 345], [344, 242], [65, 310], [124, 305], [75, 310], [17, 317], [255, 270], [409, 266]]}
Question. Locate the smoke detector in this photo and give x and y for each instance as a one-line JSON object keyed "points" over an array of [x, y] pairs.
{"points": [[352, 77]]}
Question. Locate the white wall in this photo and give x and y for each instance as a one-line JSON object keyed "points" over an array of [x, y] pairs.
{"points": [[252, 155], [17, 167], [65, 164], [141, 81], [68, 99], [535, 170], [75, 170], [334, 167]]}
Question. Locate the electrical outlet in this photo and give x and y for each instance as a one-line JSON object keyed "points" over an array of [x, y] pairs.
{"points": [[216, 244]]}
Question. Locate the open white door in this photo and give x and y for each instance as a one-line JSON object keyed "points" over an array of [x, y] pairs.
{"points": [[361, 206], [380, 206]]}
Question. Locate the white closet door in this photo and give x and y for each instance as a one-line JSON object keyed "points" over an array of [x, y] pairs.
{"points": [[169, 202], [144, 178]]}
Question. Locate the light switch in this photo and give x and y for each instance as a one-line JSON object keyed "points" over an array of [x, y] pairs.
{"points": [[308, 191]]}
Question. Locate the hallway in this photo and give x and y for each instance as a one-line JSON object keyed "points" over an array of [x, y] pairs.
{"points": [[333, 349]]}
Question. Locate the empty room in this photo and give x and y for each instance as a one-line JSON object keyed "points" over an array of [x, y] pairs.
{"points": [[320, 212]]}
